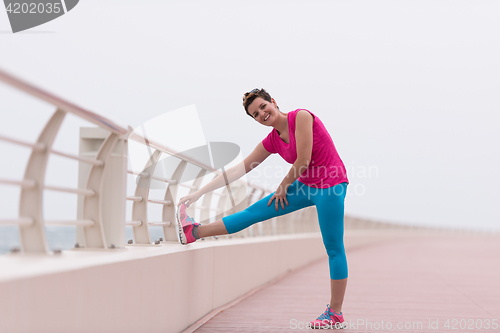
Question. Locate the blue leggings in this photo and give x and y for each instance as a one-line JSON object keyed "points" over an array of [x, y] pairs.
{"points": [[329, 205]]}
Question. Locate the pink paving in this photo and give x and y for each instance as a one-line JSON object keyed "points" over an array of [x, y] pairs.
{"points": [[434, 283]]}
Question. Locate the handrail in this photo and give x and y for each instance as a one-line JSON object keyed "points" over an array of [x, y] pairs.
{"points": [[20, 221], [88, 193], [70, 222], [61, 103], [27, 183], [78, 158], [34, 146]]}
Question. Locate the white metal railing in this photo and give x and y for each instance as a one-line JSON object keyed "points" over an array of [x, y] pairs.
{"points": [[30, 222], [101, 217]]}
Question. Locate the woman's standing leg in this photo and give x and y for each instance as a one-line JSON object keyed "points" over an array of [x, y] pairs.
{"points": [[337, 288], [330, 206]]}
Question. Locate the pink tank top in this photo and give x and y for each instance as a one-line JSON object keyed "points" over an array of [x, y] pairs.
{"points": [[326, 168]]}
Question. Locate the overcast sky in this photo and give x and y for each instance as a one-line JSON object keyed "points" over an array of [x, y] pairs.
{"points": [[407, 89]]}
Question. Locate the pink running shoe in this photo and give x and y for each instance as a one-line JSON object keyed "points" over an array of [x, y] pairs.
{"points": [[186, 226], [329, 320]]}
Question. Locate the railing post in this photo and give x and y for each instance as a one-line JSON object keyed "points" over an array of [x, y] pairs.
{"points": [[260, 231], [207, 203], [112, 184], [140, 208], [248, 201], [197, 183], [240, 195], [170, 232], [32, 236]]}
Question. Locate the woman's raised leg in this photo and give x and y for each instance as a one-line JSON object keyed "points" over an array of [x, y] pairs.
{"points": [[212, 229], [257, 212], [260, 211], [189, 230]]}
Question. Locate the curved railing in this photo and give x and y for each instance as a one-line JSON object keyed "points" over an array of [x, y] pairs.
{"points": [[101, 217], [30, 220]]}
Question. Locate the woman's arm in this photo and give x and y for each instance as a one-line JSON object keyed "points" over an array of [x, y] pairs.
{"points": [[304, 141], [258, 155]]}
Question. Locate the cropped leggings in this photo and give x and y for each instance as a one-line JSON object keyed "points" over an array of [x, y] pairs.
{"points": [[329, 204]]}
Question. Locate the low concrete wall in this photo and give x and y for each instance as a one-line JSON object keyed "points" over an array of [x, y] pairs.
{"points": [[163, 288], [141, 289]]}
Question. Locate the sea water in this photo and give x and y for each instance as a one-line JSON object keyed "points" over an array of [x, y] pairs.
{"points": [[63, 238]]}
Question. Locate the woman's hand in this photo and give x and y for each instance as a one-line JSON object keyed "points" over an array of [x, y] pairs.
{"points": [[189, 199], [280, 196]]}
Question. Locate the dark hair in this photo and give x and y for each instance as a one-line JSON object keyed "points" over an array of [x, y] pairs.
{"points": [[249, 97]]}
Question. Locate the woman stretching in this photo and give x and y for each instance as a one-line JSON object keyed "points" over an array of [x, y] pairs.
{"points": [[317, 177]]}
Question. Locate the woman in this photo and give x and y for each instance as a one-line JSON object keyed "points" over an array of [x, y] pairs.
{"points": [[317, 177]]}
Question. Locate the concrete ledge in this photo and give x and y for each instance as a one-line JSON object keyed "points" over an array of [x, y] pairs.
{"points": [[154, 289], [163, 288]]}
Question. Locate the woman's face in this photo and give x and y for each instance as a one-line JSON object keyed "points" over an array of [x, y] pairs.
{"points": [[263, 111]]}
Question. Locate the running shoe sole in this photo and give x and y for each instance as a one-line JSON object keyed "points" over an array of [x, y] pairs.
{"points": [[182, 235], [328, 327]]}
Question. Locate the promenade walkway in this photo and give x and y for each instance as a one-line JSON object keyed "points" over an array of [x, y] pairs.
{"points": [[411, 282]]}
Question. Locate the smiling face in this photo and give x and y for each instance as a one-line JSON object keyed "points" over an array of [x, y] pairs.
{"points": [[263, 111]]}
